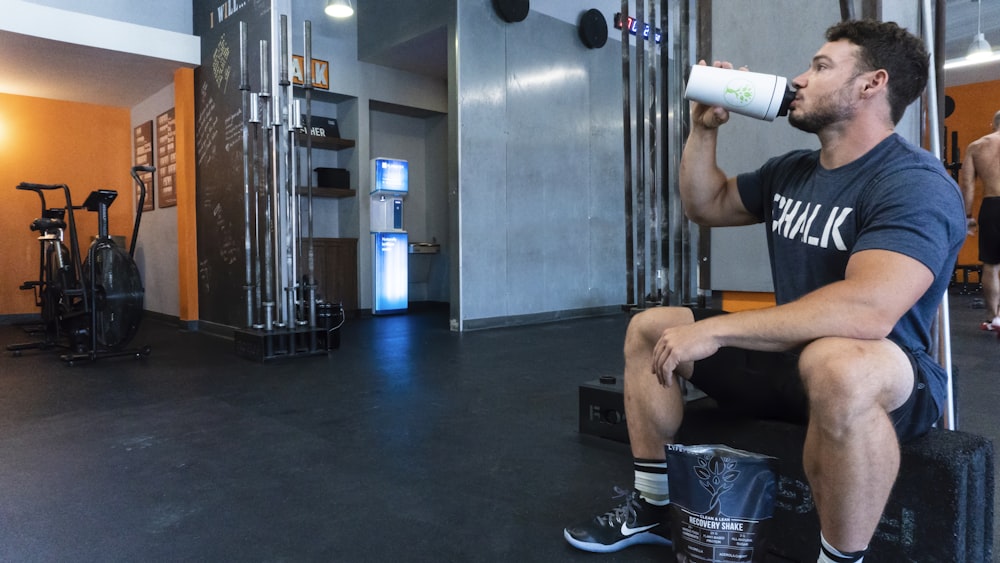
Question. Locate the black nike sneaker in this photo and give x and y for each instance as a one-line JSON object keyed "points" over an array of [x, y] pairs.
{"points": [[634, 522]]}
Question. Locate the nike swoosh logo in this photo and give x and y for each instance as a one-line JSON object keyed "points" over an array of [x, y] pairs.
{"points": [[626, 531]]}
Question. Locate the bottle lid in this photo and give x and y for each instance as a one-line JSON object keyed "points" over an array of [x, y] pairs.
{"points": [[786, 100], [781, 98]]}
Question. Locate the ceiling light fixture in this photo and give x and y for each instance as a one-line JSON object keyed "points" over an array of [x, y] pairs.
{"points": [[339, 9], [980, 48]]}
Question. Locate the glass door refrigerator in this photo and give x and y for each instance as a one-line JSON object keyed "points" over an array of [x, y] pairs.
{"points": [[390, 280]]}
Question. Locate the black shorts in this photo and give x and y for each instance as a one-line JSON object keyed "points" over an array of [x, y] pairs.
{"points": [[989, 231], [767, 385]]}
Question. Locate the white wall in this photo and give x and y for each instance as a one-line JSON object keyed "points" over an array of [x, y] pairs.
{"points": [[156, 247], [171, 15]]}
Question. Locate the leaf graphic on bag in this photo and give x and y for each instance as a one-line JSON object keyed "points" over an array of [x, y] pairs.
{"points": [[716, 475]]}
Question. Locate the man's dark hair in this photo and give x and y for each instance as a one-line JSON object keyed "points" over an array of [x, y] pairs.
{"points": [[885, 45]]}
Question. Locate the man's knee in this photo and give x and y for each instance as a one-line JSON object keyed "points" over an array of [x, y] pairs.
{"points": [[845, 377], [645, 327], [829, 362]]}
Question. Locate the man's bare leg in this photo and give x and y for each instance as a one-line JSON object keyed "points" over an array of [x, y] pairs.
{"points": [[851, 454], [991, 291], [653, 412]]}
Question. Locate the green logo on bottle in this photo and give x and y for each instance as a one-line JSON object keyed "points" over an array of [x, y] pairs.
{"points": [[739, 92]]}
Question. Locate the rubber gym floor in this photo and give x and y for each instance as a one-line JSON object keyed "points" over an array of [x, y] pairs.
{"points": [[408, 443]]}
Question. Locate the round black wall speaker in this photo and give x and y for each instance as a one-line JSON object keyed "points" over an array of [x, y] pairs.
{"points": [[512, 11], [593, 29]]}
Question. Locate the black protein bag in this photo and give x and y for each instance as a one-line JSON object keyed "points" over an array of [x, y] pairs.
{"points": [[722, 500]]}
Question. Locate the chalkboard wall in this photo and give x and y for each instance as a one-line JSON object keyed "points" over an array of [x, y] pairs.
{"points": [[219, 149]]}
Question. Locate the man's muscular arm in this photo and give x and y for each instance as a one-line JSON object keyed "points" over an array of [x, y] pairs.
{"points": [[879, 287], [708, 196]]}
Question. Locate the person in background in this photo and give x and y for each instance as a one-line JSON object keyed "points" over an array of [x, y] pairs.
{"points": [[863, 235], [982, 160]]}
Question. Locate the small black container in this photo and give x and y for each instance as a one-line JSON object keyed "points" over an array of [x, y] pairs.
{"points": [[333, 178]]}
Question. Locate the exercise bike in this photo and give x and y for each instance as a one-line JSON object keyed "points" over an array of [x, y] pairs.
{"points": [[90, 308]]}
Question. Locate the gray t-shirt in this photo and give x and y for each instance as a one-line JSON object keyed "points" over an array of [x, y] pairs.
{"points": [[896, 197]]}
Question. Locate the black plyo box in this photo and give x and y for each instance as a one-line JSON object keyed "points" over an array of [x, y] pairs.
{"points": [[941, 507], [602, 409]]}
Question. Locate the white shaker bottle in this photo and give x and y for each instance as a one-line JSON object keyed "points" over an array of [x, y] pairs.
{"points": [[761, 96]]}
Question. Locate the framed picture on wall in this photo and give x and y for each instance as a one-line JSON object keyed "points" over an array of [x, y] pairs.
{"points": [[142, 141], [166, 158]]}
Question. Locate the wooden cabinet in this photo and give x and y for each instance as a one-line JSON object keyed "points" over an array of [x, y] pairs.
{"points": [[336, 262]]}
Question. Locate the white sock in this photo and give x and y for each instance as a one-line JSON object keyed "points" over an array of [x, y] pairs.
{"points": [[830, 554], [651, 481]]}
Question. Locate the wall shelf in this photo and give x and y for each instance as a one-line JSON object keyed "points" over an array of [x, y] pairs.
{"points": [[330, 143], [326, 192]]}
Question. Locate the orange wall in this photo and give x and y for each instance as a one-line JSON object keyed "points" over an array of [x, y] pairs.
{"points": [[43, 141], [975, 105], [735, 301], [187, 228]]}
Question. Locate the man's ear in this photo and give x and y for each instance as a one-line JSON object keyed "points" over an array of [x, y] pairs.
{"points": [[877, 81]]}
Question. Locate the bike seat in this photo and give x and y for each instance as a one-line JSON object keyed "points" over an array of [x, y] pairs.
{"points": [[46, 224]]}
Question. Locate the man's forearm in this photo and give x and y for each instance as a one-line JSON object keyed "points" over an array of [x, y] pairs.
{"points": [[702, 182], [865, 306], [834, 312]]}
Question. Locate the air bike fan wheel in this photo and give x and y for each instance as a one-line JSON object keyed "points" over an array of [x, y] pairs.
{"points": [[117, 293]]}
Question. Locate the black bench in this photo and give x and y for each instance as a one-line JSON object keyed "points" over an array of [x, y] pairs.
{"points": [[940, 509], [966, 269]]}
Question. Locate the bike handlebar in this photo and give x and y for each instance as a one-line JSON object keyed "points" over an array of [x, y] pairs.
{"points": [[140, 204], [39, 187]]}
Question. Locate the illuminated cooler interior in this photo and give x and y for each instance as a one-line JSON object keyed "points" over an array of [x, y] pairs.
{"points": [[390, 176], [389, 186]]}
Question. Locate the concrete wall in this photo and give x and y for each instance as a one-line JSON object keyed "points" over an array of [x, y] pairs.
{"points": [[767, 37], [540, 216], [762, 37], [533, 160]]}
